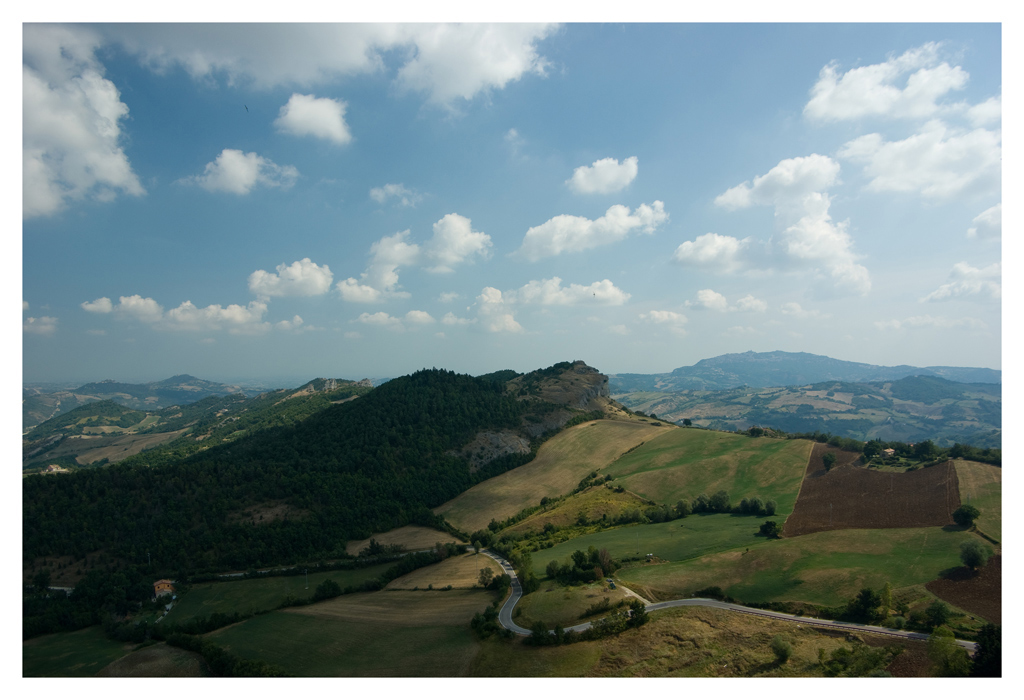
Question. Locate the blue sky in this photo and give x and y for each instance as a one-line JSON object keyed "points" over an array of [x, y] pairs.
{"points": [[242, 201]]}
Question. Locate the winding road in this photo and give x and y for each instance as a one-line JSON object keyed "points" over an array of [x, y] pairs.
{"points": [[505, 614]]}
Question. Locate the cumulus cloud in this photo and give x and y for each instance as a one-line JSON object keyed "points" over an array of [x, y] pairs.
{"points": [[806, 236], [380, 319], [988, 112], [448, 297], [238, 173], [791, 308], [907, 86], [565, 233], [550, 292], [43, 325], [450, 319], [419, 317], [380, 280], [938, 162], [494, 312], [713, 301], [447, 63], [71, 123], [139, 308], [454, 241], [293, 325], [929, 322], [669, 319], [319, 117], [604, 176], [236, 319], [303, 278], [99, 306], [399, 192], [988, 225], [967, 282], [714, 251]]}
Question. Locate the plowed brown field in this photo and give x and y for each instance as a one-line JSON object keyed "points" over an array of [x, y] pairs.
{"points": [[979, 592], [850, 496]]}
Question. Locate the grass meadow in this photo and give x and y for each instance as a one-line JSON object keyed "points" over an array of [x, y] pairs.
{"points": [[674, 541], [563, 605], [981, 485], [682, 464], [559, 466], [255, 594], [388, 633], [824, 568], [70, 654]]}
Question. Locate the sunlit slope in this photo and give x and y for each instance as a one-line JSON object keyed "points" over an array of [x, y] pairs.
{"points": [[981, 485], [559, 466], [825, 568], [681, 464]]}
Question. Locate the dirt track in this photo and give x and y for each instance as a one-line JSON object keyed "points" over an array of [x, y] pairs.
{"points": [[851, 496]]}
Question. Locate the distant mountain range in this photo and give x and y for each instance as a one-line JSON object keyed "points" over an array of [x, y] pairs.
{"points": [[773, 369], [179, 389]]}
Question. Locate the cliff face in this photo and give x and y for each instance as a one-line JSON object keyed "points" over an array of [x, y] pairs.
{"points": [[553, 396]]}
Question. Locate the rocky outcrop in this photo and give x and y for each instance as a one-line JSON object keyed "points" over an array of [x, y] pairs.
{"points": [[489, 445]]}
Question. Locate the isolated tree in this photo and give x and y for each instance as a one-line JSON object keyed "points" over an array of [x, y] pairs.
{"points": [[769, 507], [687, 422], [683, 509], [476, 546], [974, 554], [965, 515], [865, 605], [720, 502], [769, 529], [937, 614], [829, 460], [486, 576], [782, 649], [327, 589], [756, 506], [949, 658], [638, 614]]}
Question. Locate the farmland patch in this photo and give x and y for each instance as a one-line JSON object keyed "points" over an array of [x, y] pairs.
{"points": [[981, 485], [978, 592], [157, 661], [68, 654], [412, 537], [458, 572], [850, 496]]}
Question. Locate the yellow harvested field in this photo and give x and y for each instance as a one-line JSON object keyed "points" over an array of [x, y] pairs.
{"points": [[458, 572], [123, 447], [594, 503], [981, 485], [405, 608], [559, 466], [412, 537]]}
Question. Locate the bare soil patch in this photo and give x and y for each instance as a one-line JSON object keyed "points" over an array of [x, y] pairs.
{"points": [[851, 496], [978, 592], [412, 537], [158, 661]]}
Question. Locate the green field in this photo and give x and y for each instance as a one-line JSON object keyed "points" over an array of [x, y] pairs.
{"points": [[389, 633], [80, 653], [825, 568], [563, 605], [678, 540], [255, 594], [981, 485], [681, 464], [559, 466]]}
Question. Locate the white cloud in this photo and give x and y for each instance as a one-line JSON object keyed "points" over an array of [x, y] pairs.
{"points": [[494, 312], [380, 280], [929, 322], [455, 241], [791, 308], [44, 325], [24, 305], [714, 251], [565, 233], [670, 318], [448, 297], [988, 112], [419, 317], [320, 117], [405, 196], [447, 62], [988, 225], [303, 278], [938, 162], [876, 90], [618, 329], [450, 319], [380, 319], [293, 325], [751, 303], [970, 282], [71, 125], [99, 306], [550, 292], [139, 308], [238, 173], [239, 320], [806, 235], [604, 176]]}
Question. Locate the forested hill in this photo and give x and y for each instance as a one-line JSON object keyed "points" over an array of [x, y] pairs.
{"points": [[287, 493]]}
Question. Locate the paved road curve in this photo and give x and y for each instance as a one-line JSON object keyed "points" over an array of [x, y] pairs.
{"points": [[505, 614]]}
